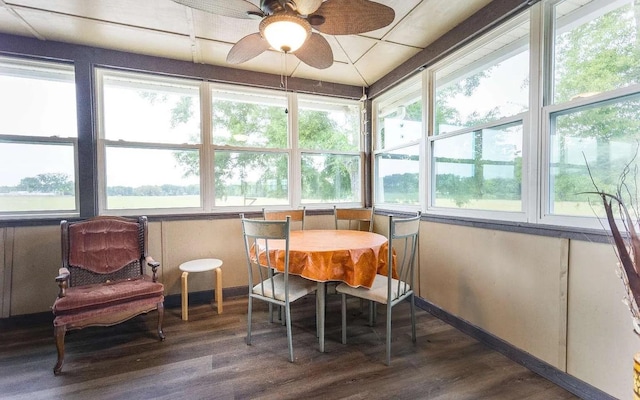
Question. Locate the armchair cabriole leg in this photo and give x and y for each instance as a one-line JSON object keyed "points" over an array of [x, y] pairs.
{"points": [[160, 319], [59, 333]]}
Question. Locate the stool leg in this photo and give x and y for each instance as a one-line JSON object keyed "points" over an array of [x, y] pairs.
{"points": [[219, 289], [185, 297]]}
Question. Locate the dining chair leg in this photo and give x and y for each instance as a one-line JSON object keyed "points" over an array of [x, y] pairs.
{"points": [[388, 361], [270, 313], [343, 304], [413, 319], [372, 313], [320, 313], [317, 316], [249, 320], [287, 316]]}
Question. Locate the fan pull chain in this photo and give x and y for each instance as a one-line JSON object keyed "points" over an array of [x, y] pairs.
{"points": [[284, 79]]}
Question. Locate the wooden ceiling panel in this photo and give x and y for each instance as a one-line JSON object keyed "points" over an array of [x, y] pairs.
{"points": [[381, 59], [355, 46], [109, 36], [431, 19], [337, 73], [13, 24], [161, 15]]}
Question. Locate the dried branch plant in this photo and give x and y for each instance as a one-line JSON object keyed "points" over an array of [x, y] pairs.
{"points": [[624, 205]]}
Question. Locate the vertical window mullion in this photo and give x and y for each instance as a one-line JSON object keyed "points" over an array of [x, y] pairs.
{"points": [[295, 155], [207, 160]]}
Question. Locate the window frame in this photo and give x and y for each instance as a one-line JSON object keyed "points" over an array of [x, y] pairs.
{"points": [[525, 117], [403, 93], [207, 148], [46, 68], [103, 143], [549, 107]]}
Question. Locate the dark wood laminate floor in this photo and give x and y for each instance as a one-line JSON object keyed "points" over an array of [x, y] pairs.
{"points": [[207, 358]]}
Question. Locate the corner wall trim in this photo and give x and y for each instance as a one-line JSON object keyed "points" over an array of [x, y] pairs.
{"points": [[560, 378]]}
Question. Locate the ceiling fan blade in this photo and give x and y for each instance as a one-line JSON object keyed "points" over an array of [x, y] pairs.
{"points": [[228, 8], [306, 7], [316, 52], [353, 17], [247, 48]]}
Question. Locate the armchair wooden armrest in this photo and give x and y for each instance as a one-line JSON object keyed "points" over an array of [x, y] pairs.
{"points": [[63, 281], [154, 267]]}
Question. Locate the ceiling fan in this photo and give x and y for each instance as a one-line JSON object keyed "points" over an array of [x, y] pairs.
{"points": [[286, 25]]}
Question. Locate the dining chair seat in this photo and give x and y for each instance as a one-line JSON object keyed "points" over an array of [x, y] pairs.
{"points": [[298, 287], [378, 291]]}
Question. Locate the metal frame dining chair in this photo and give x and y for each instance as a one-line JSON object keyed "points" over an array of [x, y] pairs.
{"points": [[403, 237], [353, 218], [279, 289]]}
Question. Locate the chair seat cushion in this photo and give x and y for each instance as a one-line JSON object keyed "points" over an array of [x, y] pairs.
{"points": [[104, 295], [298, 287], [378, 291]]}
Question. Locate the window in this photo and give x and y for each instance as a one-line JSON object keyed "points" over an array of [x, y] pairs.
{"points": [[329, 139], [480, 169], [398, 139], [150, 142], [251, 147], [480, 103], [592, 116], [38, 138]]}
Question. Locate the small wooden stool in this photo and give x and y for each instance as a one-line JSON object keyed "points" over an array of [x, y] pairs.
{"points": [[200, 265]]}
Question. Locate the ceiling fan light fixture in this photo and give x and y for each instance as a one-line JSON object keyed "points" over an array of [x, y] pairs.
{"points": [[285, 32]]}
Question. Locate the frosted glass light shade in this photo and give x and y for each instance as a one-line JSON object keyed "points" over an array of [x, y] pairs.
{"points": [[285, 32]]}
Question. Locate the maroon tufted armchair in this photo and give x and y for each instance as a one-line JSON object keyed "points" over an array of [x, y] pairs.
{"points": [[102, 280]]}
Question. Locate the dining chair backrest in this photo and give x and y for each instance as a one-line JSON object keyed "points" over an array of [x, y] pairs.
{"points": [[403, 241], [360, 219], [258, 234], [296, 216]]}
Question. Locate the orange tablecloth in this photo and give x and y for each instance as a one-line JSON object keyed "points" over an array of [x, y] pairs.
{"points": [[352, 257]]}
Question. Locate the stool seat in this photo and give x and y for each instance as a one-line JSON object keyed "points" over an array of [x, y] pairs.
{"points": [[200, 265]]}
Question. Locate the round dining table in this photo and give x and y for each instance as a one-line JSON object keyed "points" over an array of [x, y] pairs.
{"points": [[349, 256]]}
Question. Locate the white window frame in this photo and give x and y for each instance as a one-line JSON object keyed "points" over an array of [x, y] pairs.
{"points": [[547, 23], [401, 94], [528, 181], [299, 152], [103, 144], [207, 148], [44, 68]]}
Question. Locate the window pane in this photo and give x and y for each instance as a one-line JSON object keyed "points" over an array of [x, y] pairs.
{"points": [[251, 178], [328, 126], [603, 136], [399, 124], [486, 84], [249, 119], [330, 178], [596, 48], [151, 178], [479, 170], [42, 181], [150, 111], [397, 176], [37, 100]]}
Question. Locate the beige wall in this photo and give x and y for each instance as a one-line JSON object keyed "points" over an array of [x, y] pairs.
{"points": [[557, 299]]}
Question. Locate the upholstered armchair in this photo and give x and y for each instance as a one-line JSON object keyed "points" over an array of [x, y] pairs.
{"points": [[102, 281]]}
